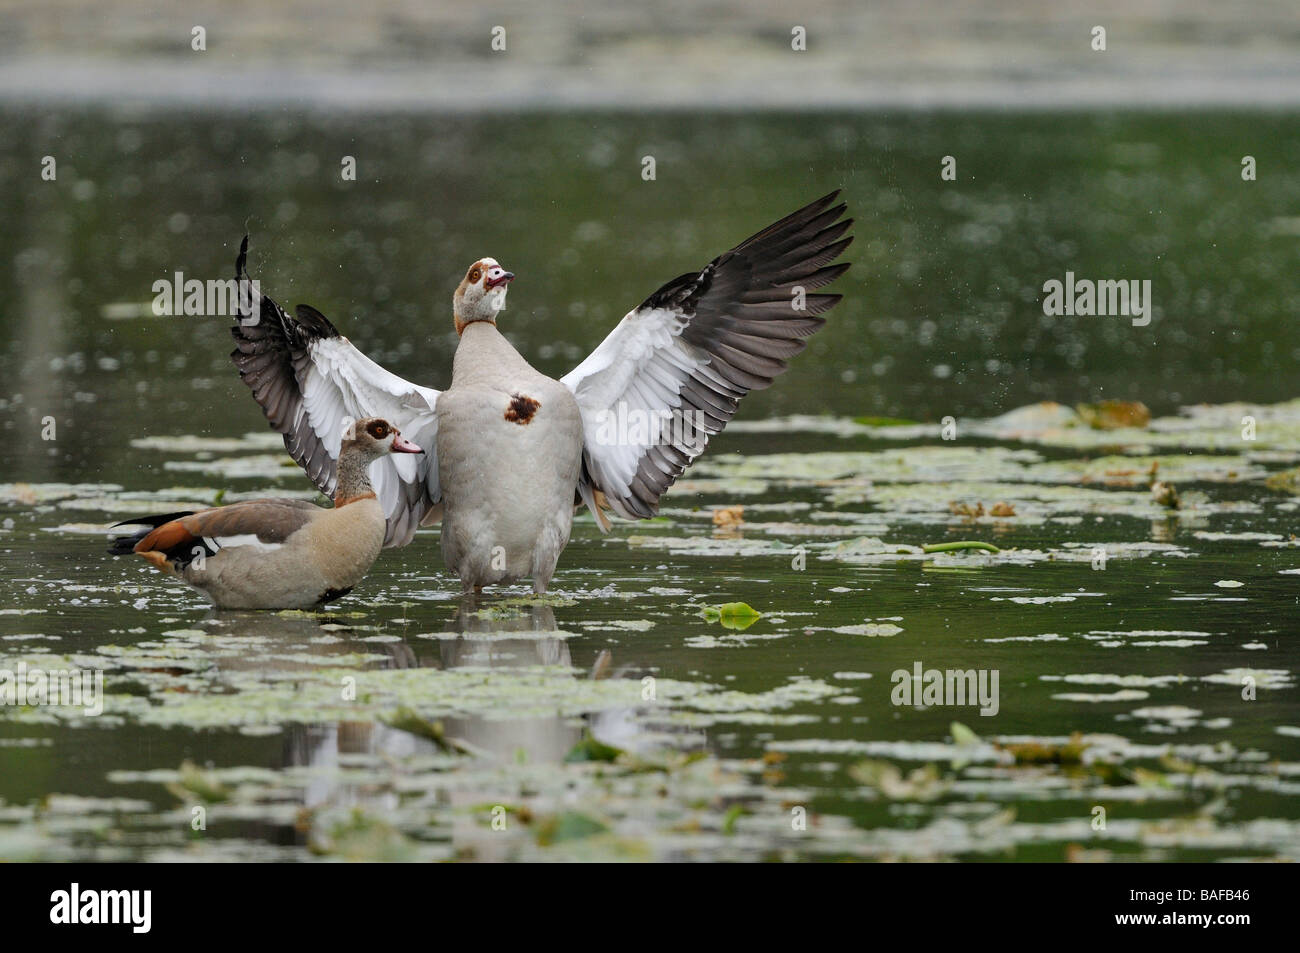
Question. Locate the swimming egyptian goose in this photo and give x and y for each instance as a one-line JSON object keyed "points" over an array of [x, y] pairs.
{"points": [[515, 451], [279, 554]]}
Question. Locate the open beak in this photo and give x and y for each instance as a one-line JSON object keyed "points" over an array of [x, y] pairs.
{"points": [[402, 445], [502, 279]]}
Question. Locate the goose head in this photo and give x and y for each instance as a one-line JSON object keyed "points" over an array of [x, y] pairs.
{"points": [[373, 437], [481, 294]]}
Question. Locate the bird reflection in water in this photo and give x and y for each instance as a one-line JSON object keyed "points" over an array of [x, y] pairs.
{"points": [[473, 638]]}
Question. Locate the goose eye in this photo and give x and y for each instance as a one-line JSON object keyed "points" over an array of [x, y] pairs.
{"points": [[377, 430], [474, 275]]}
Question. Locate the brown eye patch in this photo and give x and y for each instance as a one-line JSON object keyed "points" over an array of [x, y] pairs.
{"points": [[474, 275], [378, 430]]}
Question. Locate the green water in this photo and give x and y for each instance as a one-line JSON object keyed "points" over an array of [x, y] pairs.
{"points": [[738, 731]]}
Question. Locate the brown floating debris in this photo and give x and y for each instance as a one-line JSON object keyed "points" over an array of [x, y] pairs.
{"points": [[1165, 494], [728, 516], [1114, 414]]}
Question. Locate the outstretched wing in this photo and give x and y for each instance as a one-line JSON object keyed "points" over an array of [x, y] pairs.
{"points": [[674, 370], [309, 380]]}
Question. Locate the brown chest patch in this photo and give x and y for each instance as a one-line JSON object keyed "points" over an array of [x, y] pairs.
{"points": [[521, 409]]}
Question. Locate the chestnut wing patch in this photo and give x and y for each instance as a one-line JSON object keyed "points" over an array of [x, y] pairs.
{"points": [[521, 409]]}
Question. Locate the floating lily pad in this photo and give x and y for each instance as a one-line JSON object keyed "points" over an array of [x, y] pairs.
{"points": [[732, 615]]}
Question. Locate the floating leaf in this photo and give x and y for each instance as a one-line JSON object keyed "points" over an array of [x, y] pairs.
{"points": [[363, 838], [1035, 752], [884, 422], [407, 719], [732, 615], [734, 813], [571, 825], [195, 783], [962, 735], [921, 784], [963, 544], [1285, 481], [590, 749]]}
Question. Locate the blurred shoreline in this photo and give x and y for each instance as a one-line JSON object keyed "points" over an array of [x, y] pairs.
{"points": [[164, 86], [413, 55]]}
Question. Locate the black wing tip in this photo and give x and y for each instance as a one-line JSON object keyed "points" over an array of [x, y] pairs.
{"points": [[314, 323], [796, 223], [242, 261], [156, 520], [124, 545], [805, 242], [819, 207], [822, 202], [813, 209], [310, 323], [829, 274]]}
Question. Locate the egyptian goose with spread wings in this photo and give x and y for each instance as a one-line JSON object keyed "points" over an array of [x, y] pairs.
{"points": [[514, 452], [279, 554]]}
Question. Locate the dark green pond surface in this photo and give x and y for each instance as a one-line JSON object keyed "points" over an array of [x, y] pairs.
{"points": [[1146, 656]]}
